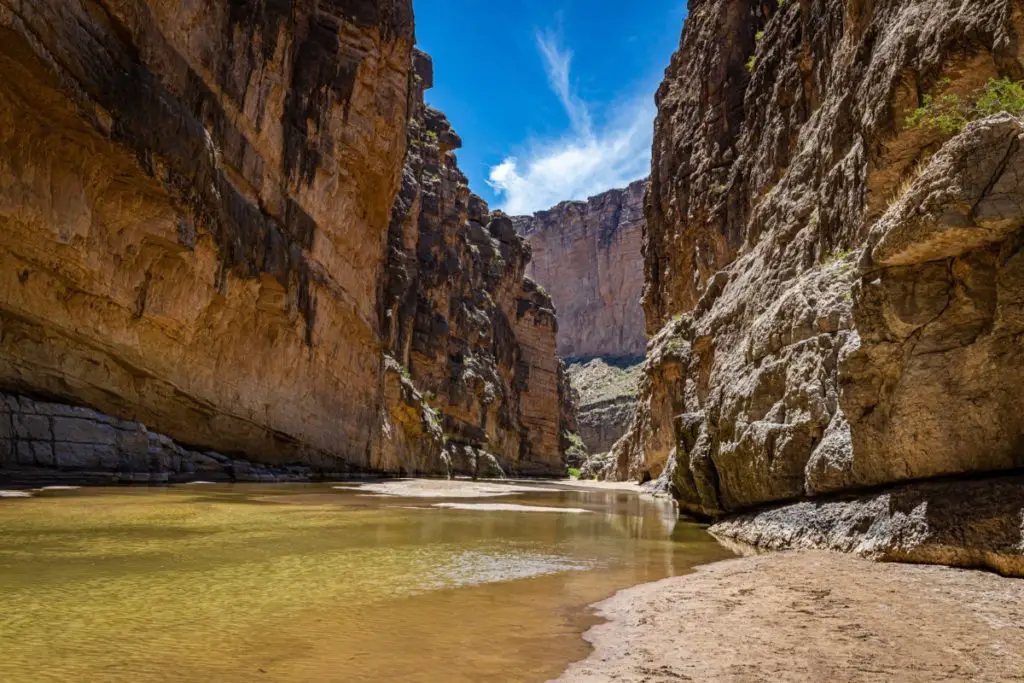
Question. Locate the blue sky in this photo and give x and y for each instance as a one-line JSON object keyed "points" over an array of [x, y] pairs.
{"points": [[554, 99]]}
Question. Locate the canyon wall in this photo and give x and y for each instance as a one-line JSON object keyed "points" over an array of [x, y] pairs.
{"points": [[587, 256], [463, 323], [834, 280], [197, 233]]}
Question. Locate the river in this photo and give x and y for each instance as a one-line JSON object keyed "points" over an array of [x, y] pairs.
{"points": [[319, 582]]}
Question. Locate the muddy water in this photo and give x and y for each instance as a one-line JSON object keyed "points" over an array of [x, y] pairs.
{"points": [[312, 583]]}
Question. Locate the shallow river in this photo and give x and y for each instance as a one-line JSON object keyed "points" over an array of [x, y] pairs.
{"points": [[316, 583]]}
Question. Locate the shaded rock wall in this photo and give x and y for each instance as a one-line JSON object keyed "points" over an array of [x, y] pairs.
{"points": [[195, 201], [835, 297], [463, 322], [587, 256], [42, 442]]}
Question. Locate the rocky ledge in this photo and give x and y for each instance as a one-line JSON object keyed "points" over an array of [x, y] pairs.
{"points": [[606, 391], [43, 442]]}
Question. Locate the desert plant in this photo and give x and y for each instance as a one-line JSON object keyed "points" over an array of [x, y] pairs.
{"points": [[950, 113], [1001, 95], [908, 181]]}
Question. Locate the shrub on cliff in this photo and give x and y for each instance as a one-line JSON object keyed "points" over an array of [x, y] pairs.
{"points": [[949, 114]]}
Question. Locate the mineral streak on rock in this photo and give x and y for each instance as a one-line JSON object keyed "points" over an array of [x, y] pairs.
{"points": [[835, 298], [195, 201], [587, 256]]}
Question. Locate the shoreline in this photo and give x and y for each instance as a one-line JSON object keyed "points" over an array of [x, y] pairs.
{"points": [[809, 615]]}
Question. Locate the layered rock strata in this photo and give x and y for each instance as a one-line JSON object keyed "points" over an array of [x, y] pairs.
{"points": [[836, 295], [195, 202], [587, 256], [42, 442], [607, 400]]}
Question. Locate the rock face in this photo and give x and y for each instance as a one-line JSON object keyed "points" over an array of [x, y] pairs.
{"points": [[836, 298], [607, 399], [42, 442], [195, 201], [462, 322], [587, 256]]}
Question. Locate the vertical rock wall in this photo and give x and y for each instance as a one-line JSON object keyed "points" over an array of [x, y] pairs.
{"points": [[195, 201], [834, 293], [587, 256], [461, 320]]}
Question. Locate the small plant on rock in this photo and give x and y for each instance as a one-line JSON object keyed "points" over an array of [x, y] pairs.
{"points": [[950, 113]]}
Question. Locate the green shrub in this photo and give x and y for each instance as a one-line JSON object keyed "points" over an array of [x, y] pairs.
{"points": [[1001, 95], [751, 64], [574, 473], [949, 114]]}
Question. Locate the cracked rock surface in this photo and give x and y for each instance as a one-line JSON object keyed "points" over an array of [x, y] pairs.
{"points": [[835, 298]]}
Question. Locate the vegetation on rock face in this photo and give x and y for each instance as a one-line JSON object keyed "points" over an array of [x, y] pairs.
{"points": [[950, 113], [577, 450]]}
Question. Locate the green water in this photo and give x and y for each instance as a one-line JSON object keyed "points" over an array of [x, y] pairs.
{"points": [[312, 583]]}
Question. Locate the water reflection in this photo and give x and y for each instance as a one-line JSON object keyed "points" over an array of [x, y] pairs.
{"points": [[309, 583]]}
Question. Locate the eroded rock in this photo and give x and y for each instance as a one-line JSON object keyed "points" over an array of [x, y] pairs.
{"points": [[587, 256], [833, 296]]}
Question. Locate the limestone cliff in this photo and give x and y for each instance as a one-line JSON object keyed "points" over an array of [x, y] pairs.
{"points": [[607, 400], [587, 256], [462, 322], [834, 285], [195, 201]]}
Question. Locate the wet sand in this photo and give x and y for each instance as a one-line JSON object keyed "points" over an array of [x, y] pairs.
{"points": [[810, 616]]}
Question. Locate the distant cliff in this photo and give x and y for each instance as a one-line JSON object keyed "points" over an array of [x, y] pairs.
{"points": [[237, 224], [587, 256]]}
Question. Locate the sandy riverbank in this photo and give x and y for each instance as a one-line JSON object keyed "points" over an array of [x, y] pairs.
{"points": [[810, 616], [492, 488]]}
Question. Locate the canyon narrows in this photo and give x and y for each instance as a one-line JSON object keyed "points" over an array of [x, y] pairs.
{"points": [[240, 266], [586, 255], [238, 225]]}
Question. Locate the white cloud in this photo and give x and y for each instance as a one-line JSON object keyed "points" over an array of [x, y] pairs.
{"points": [[584, 161]]}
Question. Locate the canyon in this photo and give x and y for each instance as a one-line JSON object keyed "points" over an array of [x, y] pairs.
{"points": [[834, 286], [586, 255], [239, 225], [237, 249]]}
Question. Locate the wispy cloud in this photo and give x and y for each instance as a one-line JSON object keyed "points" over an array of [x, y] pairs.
{"points": [[585, 160]]}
